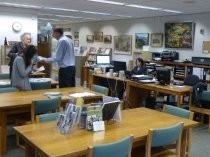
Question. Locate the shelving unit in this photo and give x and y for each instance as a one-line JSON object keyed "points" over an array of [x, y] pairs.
{"points": [[4, 52]]}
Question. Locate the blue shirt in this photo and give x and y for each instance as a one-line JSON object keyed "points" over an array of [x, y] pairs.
{"points": [[64, 53]]}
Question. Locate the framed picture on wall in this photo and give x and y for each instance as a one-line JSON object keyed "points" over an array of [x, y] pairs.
{"points": [[107, 39], [141, 39], [156, 40], [123, 44], [76, 43], [179, 35], [90, 38], [98, 36]]}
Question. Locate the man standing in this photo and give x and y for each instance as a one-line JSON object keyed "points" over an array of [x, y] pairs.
{"points": [[18, 49], [64, 56]]}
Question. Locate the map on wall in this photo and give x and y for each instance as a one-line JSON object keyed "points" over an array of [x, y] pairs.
{"points": [[179, 35]]}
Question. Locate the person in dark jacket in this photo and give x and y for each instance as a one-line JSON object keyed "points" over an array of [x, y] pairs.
{"points": [[140, 68], [18, 49]]}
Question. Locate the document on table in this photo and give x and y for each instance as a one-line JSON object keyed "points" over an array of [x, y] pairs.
{"points": [[83, 94]]}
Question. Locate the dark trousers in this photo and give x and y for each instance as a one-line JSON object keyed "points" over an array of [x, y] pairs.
{"points": [[67, 77]]}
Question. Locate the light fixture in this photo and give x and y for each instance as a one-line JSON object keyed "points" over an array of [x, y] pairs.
{"points": [[142, 7], [60, 9], [107, 2], [48, 19], [171, 11], [74, 17], [97, 13], [20, 5]]}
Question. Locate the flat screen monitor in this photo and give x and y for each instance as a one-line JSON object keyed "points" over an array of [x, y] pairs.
{"points": [[103, 59], [163, 75], [118, 65]]}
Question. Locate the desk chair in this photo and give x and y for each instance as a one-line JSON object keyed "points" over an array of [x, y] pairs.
{"points": [[47, 117], [39, 107], [120, 148], [8, 89], [176, 111], [100, 89], [4, 76], [160, 137], [40, 85]]}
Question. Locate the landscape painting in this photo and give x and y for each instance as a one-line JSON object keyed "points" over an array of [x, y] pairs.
{"points": [[141, 40]]}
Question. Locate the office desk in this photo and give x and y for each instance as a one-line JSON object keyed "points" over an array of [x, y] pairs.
{"points": [[47, 141], [20, 102], [136, 91]]}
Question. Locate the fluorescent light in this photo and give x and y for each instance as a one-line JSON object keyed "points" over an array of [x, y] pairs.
{"points": [[45, 14], [142, 7], [60, 9], [75, 17], [48, 19], [91, 12], [172, 11], [108, 2], [124, 16], [20, 5]]}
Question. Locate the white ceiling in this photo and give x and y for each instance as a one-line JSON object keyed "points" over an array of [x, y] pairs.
{"points": [[116, 11]]}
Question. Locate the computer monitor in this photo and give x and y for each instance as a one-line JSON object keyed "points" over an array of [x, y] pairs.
{"points": [[118, 65], [163, 75], [103, 59]]}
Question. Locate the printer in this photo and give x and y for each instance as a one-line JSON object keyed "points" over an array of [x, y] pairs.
{"points": [[165, 56]]}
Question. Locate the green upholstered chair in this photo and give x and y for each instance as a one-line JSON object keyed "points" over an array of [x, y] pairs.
{"points": [[120, 148], [160, 137], [8, 89], [40, 85], [99, 89], [4, 76], [47, 117]]}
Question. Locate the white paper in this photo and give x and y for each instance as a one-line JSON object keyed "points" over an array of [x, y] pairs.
{"points": [[84, 94], [98, 126], [42, 68]]}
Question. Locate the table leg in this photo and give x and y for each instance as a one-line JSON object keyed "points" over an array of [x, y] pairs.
{"points": [[29, 151], [183, 143], [3, 134], [178, 100]]}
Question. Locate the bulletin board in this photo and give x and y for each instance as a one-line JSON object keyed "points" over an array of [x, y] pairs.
{"points": [[206, 47]]}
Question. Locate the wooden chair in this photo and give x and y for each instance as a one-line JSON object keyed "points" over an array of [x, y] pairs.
{"points": [[100, 89], [8, 89], [176, 111], [120, 148], [160, 137], [39, 107], [47, 117], [40, 85]]}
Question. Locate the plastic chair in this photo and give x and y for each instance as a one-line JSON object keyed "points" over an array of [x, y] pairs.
{"points": [[8, 89], [4, 76], [40, 85], [100, 89], [160, 137], [39, 107], [120, 148], [176, 111], [47, 117]]}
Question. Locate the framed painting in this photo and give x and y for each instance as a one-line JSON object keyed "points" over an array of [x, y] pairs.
{"points": [[107, 39], [123, 44], [141, 39], [76, 43], [179, 35], [90, 38], [98, 36], [156, 40]]}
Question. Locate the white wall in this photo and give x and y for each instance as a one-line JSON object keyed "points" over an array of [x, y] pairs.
{"points": [[146, 25], [29, 24]]}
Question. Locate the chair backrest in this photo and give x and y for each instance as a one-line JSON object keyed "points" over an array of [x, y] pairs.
{"points": [[40, 85], [4, 76], [164, 136], [191, 80], [8, 89], [176, 111], [99, 89], [47, 117], [44, 106], [120, 148]]}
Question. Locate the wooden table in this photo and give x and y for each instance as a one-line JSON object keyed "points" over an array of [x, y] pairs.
{"points": [[136, 91], [46, 140], [20, 102]]}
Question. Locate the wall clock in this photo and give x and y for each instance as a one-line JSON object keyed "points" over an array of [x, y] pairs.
{"points": [[16, 26]]}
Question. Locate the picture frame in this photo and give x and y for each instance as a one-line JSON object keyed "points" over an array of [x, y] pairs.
{"points": [[179, 35], [76, 43], [76, 35], [141, 39], [156, 40], [98, 36], [90, 38], [107, 39], [123, 44]]}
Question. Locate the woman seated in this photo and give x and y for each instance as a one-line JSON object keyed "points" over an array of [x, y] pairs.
{"points": [[140, 68]]}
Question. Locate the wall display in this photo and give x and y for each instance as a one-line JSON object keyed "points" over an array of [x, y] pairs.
{"points": [[90, 38], [141, 39], [98, 36], [123, 44], [156, 40], [76, 43], [179, 35], [76, 35], [107, 39]]}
